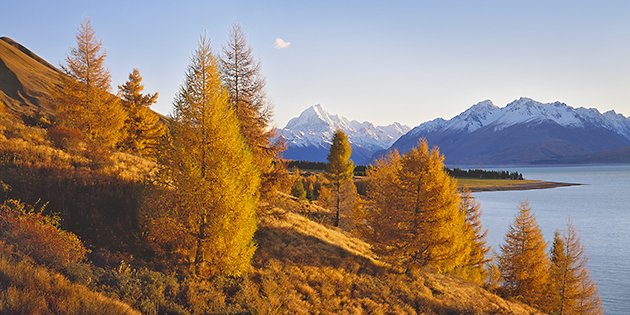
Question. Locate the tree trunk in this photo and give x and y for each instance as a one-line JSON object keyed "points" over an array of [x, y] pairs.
{"points": [[201, 238], [338, 203]]}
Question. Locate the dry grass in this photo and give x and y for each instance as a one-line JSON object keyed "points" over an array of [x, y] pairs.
{"points": [[130, 167], [26, 288], [303, 266], [472, 183]]}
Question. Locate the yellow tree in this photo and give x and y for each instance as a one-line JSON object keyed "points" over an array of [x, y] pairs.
{"points": [[523, 261], [205, 213], [571, 290], [143, 128], [84, 101], [339, 173], [415, 206], [474, 269], [242, 77], [384, 211]]}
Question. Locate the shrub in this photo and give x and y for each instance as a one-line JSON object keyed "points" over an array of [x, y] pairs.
{"points": [[65, 138], [26, 288], [38, 235]]}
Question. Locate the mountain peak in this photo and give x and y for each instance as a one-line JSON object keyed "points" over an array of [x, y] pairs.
{"points": [[474, 117], [317, 109], [523, 101], [484, 104], [311, 133]]}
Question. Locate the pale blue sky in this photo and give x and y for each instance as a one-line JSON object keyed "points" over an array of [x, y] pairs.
{"points": [[382, 61]]}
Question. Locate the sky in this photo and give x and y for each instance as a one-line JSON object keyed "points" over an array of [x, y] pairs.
{"points": [[380, 61]]}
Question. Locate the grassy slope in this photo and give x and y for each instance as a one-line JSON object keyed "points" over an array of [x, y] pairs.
{"points": [[27, 288], [327, 269], [25, 80]]}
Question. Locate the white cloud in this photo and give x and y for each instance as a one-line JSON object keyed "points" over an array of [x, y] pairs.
{"points": [[280, 43]]}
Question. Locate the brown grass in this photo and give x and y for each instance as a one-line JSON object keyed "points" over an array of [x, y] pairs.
{"points": [[26, 288], [303, 266]]}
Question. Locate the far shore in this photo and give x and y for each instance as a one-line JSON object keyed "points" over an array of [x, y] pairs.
{"points": [[481, 185]]}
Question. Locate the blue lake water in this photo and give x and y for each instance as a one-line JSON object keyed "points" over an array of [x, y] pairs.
{"points": [[600, 210]]}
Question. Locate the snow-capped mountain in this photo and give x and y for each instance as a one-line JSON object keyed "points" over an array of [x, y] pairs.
{"points": [[309, 136], [524, 131]]}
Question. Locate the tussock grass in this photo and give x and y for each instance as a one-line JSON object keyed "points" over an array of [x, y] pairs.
{"points": [[26, 288], [303, 266]]}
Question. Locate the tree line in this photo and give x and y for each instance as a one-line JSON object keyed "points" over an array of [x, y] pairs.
{"points": [[361, 170], [483, 174]]}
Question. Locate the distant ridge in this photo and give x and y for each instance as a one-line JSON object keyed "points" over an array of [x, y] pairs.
{"points": [[525, 131]]}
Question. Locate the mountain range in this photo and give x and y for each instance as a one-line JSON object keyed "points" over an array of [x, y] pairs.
{"points": [[309, 136], [525, 131]]}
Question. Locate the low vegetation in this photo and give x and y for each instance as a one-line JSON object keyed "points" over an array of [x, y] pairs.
{"points": [[26, 288]]}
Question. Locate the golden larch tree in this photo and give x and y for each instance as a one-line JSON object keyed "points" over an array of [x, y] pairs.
{"points": [[383, 211], [245, 84], [523, 261], [143, 128], [341, 195], [571, 290], [475, 267], [84, 101], [416, 204], [204, 212]]}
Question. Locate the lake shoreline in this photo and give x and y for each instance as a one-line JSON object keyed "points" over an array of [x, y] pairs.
{"points": [[524, 186]]}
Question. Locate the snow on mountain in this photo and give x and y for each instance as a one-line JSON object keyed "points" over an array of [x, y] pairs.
{"points": [[312, 131], [526, 110], [523, 111], [523, 131]]}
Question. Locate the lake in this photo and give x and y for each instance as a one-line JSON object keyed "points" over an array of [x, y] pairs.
{"points": [[600, 210]]}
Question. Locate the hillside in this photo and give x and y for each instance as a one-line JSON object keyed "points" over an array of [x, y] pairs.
{"points": [[327, 269], [26, 80], [31, 289]]}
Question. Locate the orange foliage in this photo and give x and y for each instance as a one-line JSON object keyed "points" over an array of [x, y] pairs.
{"points": [[64, 137], [39, 236]]}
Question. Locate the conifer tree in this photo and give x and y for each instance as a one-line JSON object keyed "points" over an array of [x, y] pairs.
{"points": [[523, 261], [298, 190], [383, 210], [310, 191], [474, 269], [205, 212], [84, 101], [571, 290], [143, 129], [339, 173], [413, 211], [242, 77]]}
